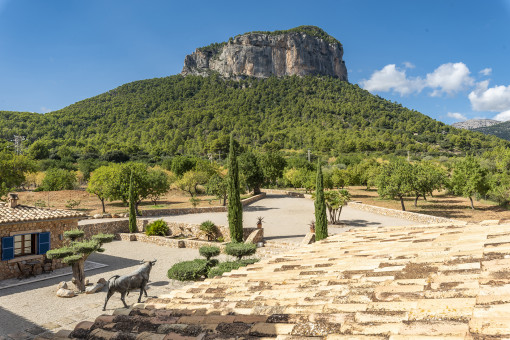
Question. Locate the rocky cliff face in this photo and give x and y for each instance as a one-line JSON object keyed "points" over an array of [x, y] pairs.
{"points": [[264, 55], [472, 124]]}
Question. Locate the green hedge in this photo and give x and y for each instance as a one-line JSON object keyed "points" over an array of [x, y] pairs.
{"points": [[188, 270], [240, 249], [209, 251], [157, 228]]}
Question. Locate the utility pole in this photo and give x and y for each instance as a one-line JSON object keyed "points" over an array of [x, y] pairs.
{"points": [[17, 143], [308, 155]]}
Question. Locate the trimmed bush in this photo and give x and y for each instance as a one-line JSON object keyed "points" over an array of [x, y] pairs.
{"points": [[226, 267], [209, 229], [240, 249], [188, 270], [208, 252], [157, 228], [74, 234]]}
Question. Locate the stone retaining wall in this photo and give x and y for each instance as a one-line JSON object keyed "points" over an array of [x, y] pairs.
{"points": [[111, 227], [191, 242], [193, 230], [411, 216], [197, 210]]}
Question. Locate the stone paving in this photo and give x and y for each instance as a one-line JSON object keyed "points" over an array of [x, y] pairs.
{"points": [[440, 281]]}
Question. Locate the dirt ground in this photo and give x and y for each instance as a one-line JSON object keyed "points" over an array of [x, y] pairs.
{"points": [[441, 204], [91, 205]]}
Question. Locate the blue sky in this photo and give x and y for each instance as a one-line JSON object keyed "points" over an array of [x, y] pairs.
{"points": [[446, 59]]}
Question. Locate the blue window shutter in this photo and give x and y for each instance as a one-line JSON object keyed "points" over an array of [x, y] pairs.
{"points": [[7, 248], [43, 241]]}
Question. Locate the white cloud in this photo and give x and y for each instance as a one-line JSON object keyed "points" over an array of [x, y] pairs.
{"points": [[503, 116], [486, 71], [496, 98], [390, 78], [45, 110], [449, 78], [456, 115], [408, 64]]}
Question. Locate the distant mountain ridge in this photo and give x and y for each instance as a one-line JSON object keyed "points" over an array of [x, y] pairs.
{"points": [[473, 124], [301, 51], [501, 130]]}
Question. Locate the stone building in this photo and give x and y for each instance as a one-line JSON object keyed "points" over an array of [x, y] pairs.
{"points": [[27, 233]]}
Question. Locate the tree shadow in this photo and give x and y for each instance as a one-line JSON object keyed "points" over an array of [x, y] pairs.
{"points": [[13, 323], [356, 223], [282, 237]]}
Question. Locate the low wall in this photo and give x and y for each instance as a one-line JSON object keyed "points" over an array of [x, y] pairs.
{"points": [[193, 230], [191, 242], [110, 227], [411, 216], [197, 210]]}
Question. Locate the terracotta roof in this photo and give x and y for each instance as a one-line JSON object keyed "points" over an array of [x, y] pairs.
{"points": [[441, 281], [23, 213]]}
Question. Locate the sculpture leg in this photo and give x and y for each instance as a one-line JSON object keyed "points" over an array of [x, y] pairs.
{"points": [[108, 296], [122, 296]]}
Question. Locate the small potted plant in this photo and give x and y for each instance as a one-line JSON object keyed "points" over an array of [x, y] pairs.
{"points": [[259, 222], [312, 226]]}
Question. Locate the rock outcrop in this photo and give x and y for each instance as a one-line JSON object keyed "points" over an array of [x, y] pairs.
{"points": [[265, 54], [475, 123]]}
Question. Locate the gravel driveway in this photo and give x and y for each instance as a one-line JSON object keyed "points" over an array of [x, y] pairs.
{"points": [[287, 218], [35, 305]]}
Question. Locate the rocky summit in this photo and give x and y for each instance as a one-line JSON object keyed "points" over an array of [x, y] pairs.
{"points": [[475, 123], [302, 51]]}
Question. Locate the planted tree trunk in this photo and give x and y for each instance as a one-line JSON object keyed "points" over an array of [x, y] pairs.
{"points": [[472, 205], [79, 274], [416, 200], [102, 202], [402, 203]]}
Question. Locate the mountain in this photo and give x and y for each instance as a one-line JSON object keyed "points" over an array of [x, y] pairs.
{"points": [[501, 130], [306, 106], [473, 124], [195, 114], [302, 51]]}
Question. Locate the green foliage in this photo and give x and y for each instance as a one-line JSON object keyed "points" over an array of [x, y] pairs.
{"points": [[58, 179], [251, 171], [72, 259], [209, 229], [209, 251], [188, 270], [71, 204], [235, 207], [172, 115], [427, 178], [13, 169], [313, 31], [59, 253], [240, 249], [396, 180], [74, 234], [103, 238], [157, 228], [182, 164], [321, 220], [226, 267], [469, 178], [272, 164], [217, 185], [191, 180], [335, 200], [194, 201], [132, 207]]}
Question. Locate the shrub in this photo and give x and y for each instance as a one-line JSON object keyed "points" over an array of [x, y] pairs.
{"points": [[188, 270], [157, 228], [208, 252], [74, 234], [58, 179], [226, 267], [209, 229], [240, 249]]}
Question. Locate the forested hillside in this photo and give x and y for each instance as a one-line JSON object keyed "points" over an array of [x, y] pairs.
{"points": [[194, 115], [501, 130]]}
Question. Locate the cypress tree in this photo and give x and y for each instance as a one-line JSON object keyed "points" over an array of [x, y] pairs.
{"points": [[235, 208], [321, 220], [132, 209]]}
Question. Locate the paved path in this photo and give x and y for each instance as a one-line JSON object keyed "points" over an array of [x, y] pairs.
{"points": [[287, 218]]}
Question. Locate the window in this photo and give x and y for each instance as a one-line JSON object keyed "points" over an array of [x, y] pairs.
{"points": [[24, 244]]}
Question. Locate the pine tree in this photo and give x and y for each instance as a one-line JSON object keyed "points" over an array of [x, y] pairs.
{"points": [[321, 220], [235, 208], [132, 208]]}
